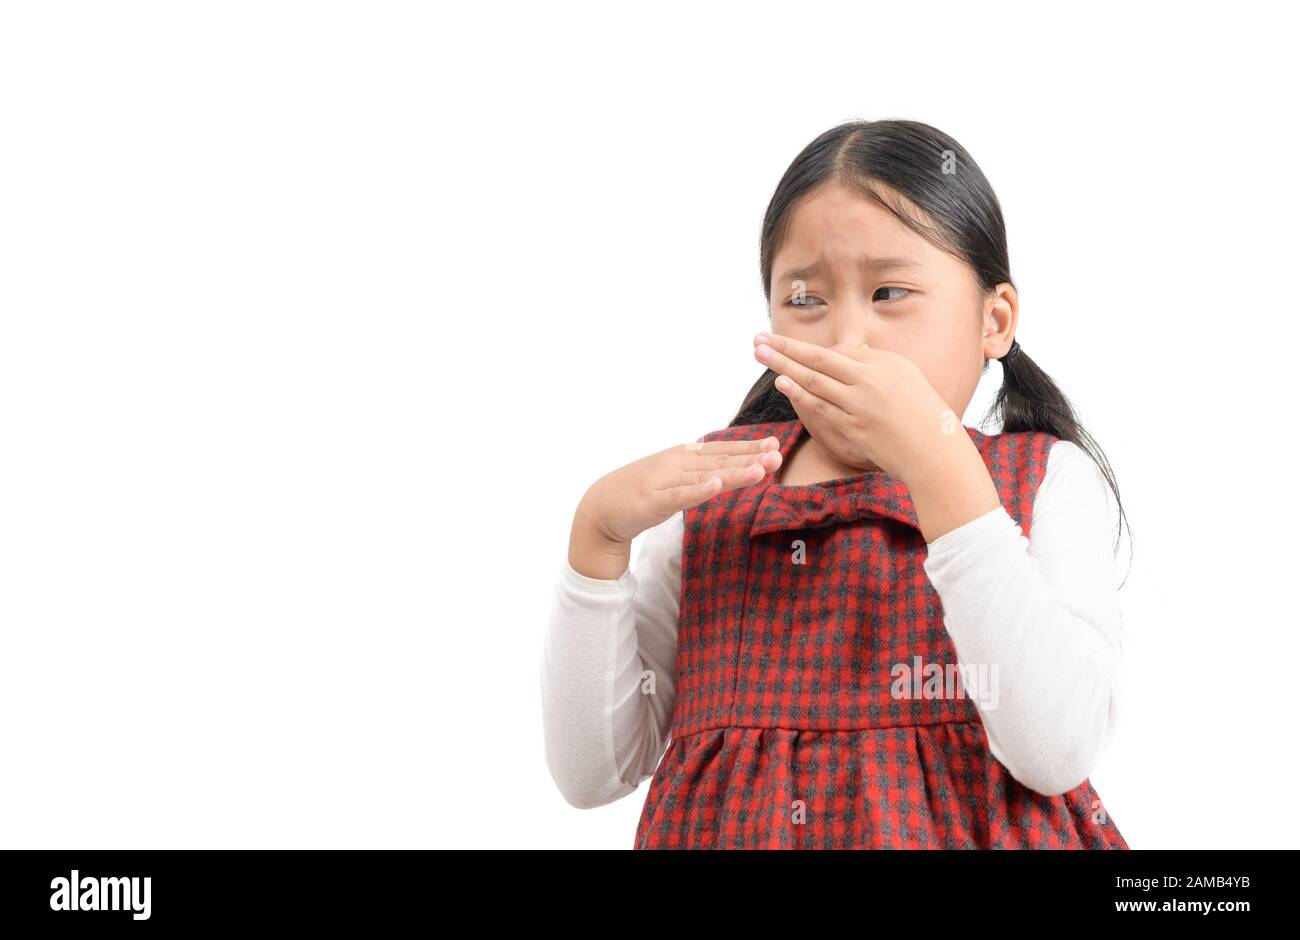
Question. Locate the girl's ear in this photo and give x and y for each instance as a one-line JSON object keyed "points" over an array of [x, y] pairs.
{"points": [[1001, 316]]}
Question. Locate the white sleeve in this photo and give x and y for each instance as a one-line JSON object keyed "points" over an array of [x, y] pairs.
{"points": [[1045, 612], [607, 674]]}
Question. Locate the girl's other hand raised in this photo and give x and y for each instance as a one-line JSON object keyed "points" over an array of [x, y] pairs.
{"points": [[625, 502]]}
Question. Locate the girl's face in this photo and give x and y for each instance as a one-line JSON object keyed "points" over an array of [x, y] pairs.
{"points": [[850, 273]]}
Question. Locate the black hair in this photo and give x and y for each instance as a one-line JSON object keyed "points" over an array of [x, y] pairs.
{"points": [[960, 213]]}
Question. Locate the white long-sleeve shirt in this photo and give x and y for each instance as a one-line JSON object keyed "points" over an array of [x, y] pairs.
{"points": [[1044, 609]]}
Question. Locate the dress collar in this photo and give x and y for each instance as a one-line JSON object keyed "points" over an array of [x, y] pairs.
{"points": [[846, 499]]}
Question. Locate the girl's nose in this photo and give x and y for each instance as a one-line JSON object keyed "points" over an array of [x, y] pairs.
{"points": [[852, 334], [850, 326]]}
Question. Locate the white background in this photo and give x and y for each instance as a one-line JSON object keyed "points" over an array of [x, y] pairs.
{"points": [[319, 318]]}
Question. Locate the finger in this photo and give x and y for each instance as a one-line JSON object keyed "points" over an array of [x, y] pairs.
{"points": [[814, 380], [861, 353], [768, 458], [829, 362], [733, 447], [731, 476], [808, 402], [702, 485]]}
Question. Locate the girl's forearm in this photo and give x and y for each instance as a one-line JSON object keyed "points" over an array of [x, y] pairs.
{"points": [[952, 487]]}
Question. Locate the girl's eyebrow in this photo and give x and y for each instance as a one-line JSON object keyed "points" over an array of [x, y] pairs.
{"points": [[866, 261]]}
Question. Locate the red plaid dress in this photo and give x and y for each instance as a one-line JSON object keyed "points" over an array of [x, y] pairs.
{"points": [[785, 732]]}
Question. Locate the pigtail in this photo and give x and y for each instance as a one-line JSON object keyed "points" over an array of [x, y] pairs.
{"points": [[764, 403], [1028, 400]]}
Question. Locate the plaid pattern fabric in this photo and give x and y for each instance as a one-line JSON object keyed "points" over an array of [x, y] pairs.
{"points": [[798, 602]]}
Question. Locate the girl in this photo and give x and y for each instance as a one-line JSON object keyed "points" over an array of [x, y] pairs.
{"points": [[854, 621]]}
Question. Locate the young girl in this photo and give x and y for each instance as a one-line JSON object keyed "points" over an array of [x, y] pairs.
{"points": [[854, 622]]}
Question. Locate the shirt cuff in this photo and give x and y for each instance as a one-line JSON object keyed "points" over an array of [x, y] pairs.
{"points": [[585, 584], [976, 530]]}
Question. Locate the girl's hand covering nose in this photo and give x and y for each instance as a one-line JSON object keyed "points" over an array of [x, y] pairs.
{"points": [[864, 405]]}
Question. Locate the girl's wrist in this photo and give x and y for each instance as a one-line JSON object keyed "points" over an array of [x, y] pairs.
{"points": [[592, 552], [950, 487]]}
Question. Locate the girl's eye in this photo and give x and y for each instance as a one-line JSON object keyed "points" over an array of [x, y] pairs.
{"points": [[797, 301], [903, 289]]}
